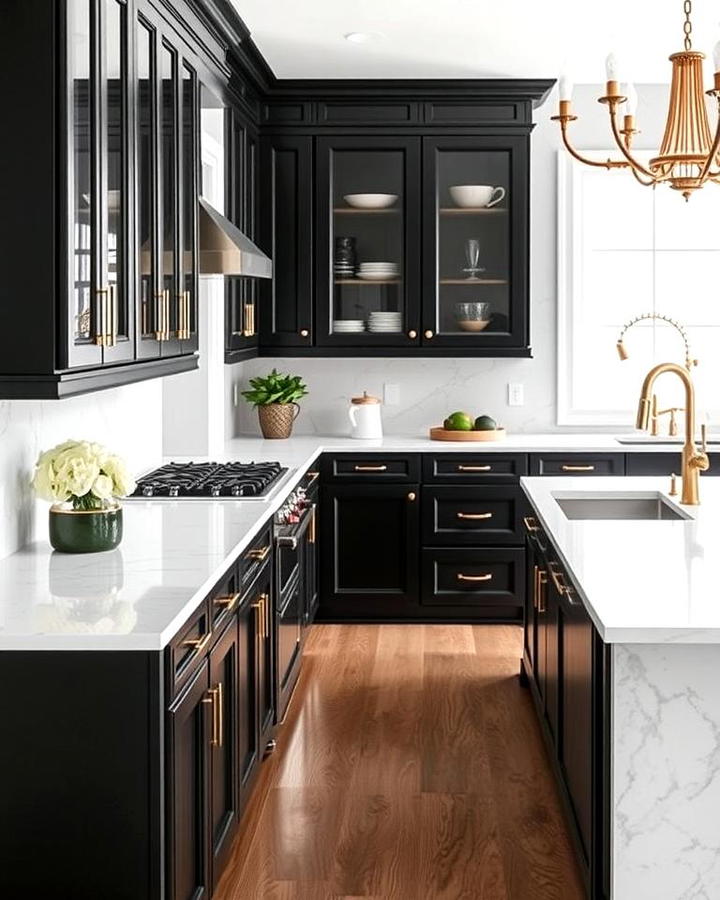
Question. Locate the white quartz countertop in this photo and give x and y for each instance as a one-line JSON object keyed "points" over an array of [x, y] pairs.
{"points": [[173, 552], [641, 581]]}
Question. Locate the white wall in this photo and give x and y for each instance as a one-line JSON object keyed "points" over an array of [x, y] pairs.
{"points": [[127, 419], [430, 388]]}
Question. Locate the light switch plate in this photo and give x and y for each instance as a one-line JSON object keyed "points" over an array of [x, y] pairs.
{"points": [[516, 394], [391, 394]]}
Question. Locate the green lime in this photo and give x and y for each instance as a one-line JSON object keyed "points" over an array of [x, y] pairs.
{"points": [[485, 423], [458, 421]]}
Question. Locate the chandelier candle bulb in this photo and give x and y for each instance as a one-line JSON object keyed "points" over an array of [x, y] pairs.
{"points": [[566, 88], [716, 57], [632, 99]]}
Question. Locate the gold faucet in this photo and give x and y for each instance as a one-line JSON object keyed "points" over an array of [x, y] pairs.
{"points": [[693, 461]]}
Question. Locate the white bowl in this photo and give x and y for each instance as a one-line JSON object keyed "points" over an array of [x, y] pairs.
{"points": [[371, 201]]}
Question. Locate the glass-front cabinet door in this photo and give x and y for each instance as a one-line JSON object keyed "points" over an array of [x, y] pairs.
{"points": [[368, 221], [100, 323], [475, 195]]}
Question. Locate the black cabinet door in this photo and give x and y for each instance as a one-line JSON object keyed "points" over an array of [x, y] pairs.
{"points": [[552, 620], [370, 550], [287, 237], [190, 731], [532, 570], [224, 758], [368, 270], [247, 702], [576, 702], [264, 669], [475, 248], [310, 569]]}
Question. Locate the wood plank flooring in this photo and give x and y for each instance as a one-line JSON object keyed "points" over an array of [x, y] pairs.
{"points": [[410, 767]]}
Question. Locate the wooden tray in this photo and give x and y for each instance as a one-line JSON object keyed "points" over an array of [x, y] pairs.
{"points": [[442, 434]]}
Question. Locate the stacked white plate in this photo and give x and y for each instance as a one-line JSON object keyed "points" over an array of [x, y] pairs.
{"points": [[378, 271], [348, 326], [385, 322]]}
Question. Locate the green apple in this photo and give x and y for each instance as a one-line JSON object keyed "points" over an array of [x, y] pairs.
{"points": [[458, 421]]}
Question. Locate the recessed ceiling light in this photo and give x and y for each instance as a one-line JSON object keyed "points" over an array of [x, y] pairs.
{"points": [[363, 37]]}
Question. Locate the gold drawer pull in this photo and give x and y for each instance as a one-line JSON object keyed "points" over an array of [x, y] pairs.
{"points": [[219, 697], [313, 476], [541, 582], [198, 644], [462, 468], [228, 602], [486, 577], [562, 588], [531, 525], [371, 468], [568, 468], [485, 515], [259, 553]]}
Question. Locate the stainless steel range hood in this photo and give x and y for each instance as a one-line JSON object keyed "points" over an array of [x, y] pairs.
{"points": [[225, 250]]}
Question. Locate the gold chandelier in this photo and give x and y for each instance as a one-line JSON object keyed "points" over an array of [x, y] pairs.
{"points": [[688, 151]]}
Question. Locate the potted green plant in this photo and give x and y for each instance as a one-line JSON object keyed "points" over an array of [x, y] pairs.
{"points": [[84, 480], [275, 396]]}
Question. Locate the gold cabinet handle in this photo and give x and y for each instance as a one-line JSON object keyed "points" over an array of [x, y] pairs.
{"points": [[412, 334], [214, 695], [568, 468], [531, 525], [183, 316], [258, 607], [198, 644], [487, 576], [265, 614], [228, 602], [259, 553], [101, 316], [541, 582], [412, 496], [312, 530], [429, 334], [304, 332], [485, 515], [220, 723], [462, 468], [313, 476], [248, 320], [563, 589], [536, 569], [163, 323], [371, 468]]}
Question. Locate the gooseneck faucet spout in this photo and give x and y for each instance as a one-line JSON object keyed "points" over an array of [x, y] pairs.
{"points": [[694, 461]]}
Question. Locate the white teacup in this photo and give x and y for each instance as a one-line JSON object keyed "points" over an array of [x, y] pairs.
{"points": [[476, 195]]}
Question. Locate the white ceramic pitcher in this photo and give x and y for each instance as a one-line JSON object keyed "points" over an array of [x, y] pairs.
{"points": [[365, 417]]}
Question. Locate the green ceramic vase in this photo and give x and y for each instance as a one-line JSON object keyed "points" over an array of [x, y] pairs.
{"points": [[85, 530]]}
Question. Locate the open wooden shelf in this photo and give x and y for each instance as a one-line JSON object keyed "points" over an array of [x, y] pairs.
{"points": [[345, 210]]}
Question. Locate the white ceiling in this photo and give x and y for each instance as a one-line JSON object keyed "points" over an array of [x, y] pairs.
{"points": [[474, 38]]}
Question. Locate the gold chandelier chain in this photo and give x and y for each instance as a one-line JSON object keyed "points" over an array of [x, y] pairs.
{"points": [[687, 25]]}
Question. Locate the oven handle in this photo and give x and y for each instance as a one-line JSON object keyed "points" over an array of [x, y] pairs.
{"points": [[292, 540]]}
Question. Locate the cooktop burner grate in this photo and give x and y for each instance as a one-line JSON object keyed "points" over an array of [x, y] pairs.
{"points": [[232, 479]]}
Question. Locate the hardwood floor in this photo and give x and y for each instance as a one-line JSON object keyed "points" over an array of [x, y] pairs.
{"points": [[410, 767]]}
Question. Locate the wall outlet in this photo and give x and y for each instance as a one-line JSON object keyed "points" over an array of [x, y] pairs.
{"points": [[391, 394], [516, 394]]}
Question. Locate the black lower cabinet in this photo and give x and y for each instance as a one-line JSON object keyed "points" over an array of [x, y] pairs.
{"points": [[190, 728], [567, 666], [371, 551]]}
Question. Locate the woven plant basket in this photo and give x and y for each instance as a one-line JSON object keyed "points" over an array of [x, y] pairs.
{"points": [[276, 419]]}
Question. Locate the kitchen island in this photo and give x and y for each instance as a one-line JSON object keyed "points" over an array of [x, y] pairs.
{"points": [[645, 798]]}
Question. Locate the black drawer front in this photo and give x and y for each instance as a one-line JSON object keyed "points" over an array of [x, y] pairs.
{"points": [[577, 464], [464, 577], [664, 464], [188, 648], [474, 468], [394, 468], [255, 558], [472, 515], [225, 598]]}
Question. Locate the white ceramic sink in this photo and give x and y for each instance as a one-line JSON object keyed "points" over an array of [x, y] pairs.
{"points": [[594, 505]]}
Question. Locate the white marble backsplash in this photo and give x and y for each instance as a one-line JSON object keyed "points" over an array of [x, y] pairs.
{"points": [[127, 419], [666, 772]]}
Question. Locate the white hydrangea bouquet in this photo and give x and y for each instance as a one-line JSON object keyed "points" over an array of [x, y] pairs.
{"points": [[81, 474]]}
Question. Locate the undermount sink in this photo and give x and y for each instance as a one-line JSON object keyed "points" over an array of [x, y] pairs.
{"points": [[636, 506]]}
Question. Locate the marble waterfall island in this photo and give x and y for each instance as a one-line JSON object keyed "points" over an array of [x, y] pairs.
{"points": [[652, 591]]}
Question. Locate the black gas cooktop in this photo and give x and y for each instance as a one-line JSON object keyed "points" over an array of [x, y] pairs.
{"points": [[201, 480]]}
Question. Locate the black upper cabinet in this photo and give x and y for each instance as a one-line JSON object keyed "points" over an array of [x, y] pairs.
{"points": [[286, 316], [367, 259]]}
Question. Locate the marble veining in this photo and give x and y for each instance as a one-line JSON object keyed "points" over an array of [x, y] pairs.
{"points": [[666, 772]]}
